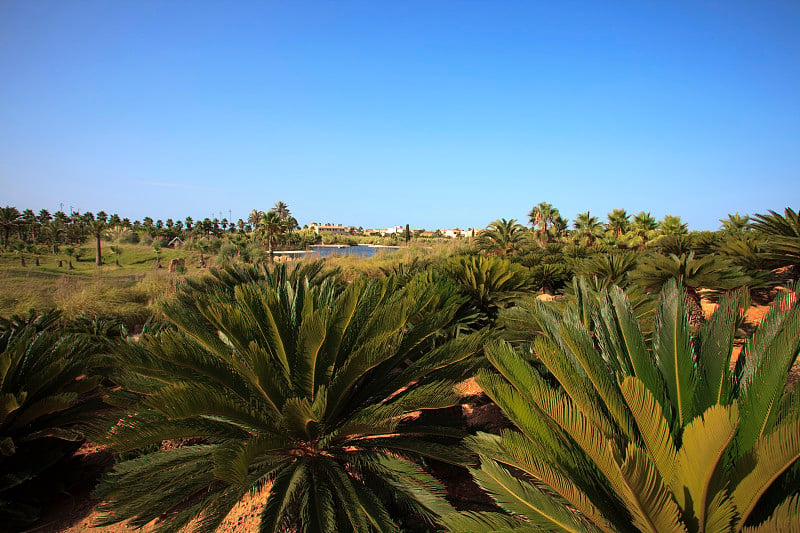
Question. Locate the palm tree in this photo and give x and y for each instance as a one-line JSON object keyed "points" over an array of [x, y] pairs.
{"points": [[618, 222], [502, 237], [9, 220], [672, 225], [616, 433], [644, 224], [735, 224], [254, 218], [96, 228], [270, 226], [543, 217], [298, 390], [588, 227], [282, 210]]}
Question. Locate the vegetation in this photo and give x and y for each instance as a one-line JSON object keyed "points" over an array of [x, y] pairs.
{"points": [[334, 389], [625, 435], [317, 403]]}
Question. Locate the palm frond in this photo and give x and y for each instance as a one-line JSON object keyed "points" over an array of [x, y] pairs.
{"points": [[673, 351]]}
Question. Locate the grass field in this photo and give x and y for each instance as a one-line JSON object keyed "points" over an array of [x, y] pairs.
{"points": [[130, 290], [127, 291]]}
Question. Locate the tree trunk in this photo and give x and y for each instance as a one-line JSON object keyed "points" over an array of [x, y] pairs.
{"points": [[98, 256], [269, 242], [37, 261], [696, 316]]}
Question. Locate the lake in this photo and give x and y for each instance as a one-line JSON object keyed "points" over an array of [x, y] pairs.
{"points": [[325, 251]]}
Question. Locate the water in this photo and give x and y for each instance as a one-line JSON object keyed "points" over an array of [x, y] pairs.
{"points": [[325, 251]]}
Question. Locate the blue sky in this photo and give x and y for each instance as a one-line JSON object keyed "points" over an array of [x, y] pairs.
{"points": [[435, 114]]}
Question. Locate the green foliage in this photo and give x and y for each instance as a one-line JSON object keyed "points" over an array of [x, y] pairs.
{"points": [[489, 283], [782, 236], [502, 238], [615, 433], [300, 385], [48, 395]]}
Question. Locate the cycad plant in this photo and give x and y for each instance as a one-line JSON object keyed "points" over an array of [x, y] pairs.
{"points": [[48, 394], [618, 434], [782, 236], [311, 394], [488, 283], [691, 273]]}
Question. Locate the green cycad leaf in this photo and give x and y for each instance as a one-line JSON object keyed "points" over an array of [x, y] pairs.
{"points": [[317, 509], [348, 503], [673, 351], [655, 510], [785, 518], [45, 406], [716, 348], [772, 455], [186, 401], [526, 416], [517, 451], [574, 382], [705, 440], [281, 495], [653, 428], [623, 344], [310, 340], [411, 479], [525, 499], [768, 358], [486, 523], [721, 513], [580, 344]]}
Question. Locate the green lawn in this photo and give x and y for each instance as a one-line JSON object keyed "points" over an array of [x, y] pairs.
{"points": [[128, 290]]}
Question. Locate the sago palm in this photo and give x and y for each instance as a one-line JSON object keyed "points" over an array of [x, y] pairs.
{"points": [[48, 394], [618, 434], [782, 236], [502, 238], [691, 273], [310, 394]]}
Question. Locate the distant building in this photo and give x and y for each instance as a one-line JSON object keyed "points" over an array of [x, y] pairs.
{"points": [[337, 229]]}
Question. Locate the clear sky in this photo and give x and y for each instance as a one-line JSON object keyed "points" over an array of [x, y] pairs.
{"points": [[376, 113]]}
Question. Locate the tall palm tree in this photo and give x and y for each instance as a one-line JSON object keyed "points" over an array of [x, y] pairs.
{"points": [[282, 210], [9, 220], [543, 217], [588, 227], [270, 226], [297, 390], [96, 228], [617, 433], [644, 225], [618, 222], [502, 237]]}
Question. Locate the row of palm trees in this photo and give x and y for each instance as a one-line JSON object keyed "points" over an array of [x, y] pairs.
{"points": [[30, 230]]}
